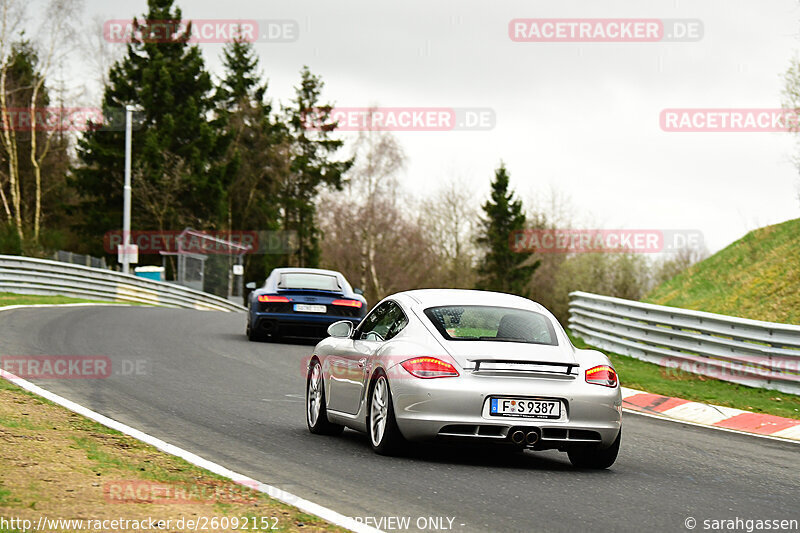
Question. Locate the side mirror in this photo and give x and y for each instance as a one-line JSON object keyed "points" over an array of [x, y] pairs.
{"points": [[359, 292], [251, 285], [341, 330]]}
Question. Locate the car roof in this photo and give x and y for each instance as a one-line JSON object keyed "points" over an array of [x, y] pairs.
{"points": [[441, 297], [300, 270]]}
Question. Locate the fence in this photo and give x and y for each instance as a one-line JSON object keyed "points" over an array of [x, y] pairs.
{"points": [[25, 275], [79, 259], [749, 352]]}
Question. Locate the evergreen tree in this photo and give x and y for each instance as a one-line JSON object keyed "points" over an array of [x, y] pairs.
{"points": [[258, 150], [502, 269], [311, 167], [178, 180]]}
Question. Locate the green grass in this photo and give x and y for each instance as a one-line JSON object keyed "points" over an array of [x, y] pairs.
{"points": [[7, 385], [102, 454], [21, 423], [8, 298], [649, 377], [756, 277], [177, 470]]}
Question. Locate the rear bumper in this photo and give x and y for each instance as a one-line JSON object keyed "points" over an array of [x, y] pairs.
{"points": [[296, 325], [459, 408]]}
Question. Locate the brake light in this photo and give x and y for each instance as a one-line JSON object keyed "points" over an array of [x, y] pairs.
{"points": [[429, 367], [270, 298], [348, 303], [602, 375]]}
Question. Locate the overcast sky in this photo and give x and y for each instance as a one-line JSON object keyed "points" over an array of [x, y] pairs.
{"points": [[581, 118]]}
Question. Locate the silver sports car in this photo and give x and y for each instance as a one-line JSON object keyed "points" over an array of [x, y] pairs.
{"points": [[461, 364]]}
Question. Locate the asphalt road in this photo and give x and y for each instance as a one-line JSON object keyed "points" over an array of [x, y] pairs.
{"points": [[202, 386]]}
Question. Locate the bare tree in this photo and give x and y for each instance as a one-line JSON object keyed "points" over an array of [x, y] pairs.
{"points": [[371, 232], [401, 256], [450, 219], [373, 183], [56, 40], [101, 52], [666, 268], [160, 199], [12, 15], [51, 45], [791, 101]]}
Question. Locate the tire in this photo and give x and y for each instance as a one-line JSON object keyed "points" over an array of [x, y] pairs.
{"points": [[595, 458], [316, 413], [253, 335], [384, 435]]}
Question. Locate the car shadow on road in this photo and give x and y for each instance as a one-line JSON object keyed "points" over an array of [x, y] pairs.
{"points": [[297, 341], [291, 341], [470, 454]]}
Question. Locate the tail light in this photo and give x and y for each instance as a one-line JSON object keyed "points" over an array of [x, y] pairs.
{"points": [[429, 367], [348, 303], [270, 298], [602, 375]]}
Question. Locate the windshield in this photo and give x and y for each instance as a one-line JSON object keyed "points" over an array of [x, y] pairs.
{"points": [[486, 323], [298, 280]]}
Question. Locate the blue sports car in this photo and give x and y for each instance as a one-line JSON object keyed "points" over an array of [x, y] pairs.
{"points": [[301, 302]]}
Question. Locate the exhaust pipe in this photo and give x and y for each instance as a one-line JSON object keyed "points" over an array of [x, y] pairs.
{"points": [[517, 437], [532, 438]]}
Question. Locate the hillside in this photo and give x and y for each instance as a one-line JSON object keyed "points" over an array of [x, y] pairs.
{"points": [[756, 277]]}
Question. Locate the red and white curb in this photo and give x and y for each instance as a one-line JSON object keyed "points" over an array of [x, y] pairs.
{"points": [[714, 416]]}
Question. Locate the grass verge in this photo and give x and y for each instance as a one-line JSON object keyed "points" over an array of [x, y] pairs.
{"points": [[756, 277], [61, 465], [657, 379], [9, 298]]}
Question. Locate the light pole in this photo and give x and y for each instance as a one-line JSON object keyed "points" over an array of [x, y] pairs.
{"points": [[126, 192]]}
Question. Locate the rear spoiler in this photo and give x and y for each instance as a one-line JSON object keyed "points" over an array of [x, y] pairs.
{"points": [[514, 362]]}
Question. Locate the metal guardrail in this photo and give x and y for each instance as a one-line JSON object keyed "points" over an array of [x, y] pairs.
{"points": [[740, 350], [26, 275]]}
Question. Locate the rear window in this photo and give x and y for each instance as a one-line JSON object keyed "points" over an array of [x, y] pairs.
{"points": [[302, 280], [485, 323]]}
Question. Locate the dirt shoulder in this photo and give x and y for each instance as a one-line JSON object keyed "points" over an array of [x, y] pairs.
{"points": [[58, 465]]}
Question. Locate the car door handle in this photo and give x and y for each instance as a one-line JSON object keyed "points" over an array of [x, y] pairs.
{"points": [[362, 362]]}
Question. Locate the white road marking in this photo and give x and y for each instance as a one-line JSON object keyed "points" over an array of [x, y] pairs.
{"points": [[286, 497], [702, 413], [304, 505], [788, 433]]}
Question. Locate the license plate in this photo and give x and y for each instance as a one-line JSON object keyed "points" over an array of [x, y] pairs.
{"points": [[525, 408], [308, 308]]}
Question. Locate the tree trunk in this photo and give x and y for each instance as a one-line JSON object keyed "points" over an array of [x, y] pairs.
{"points": [[9, 139], [5, 202], [37, 169]]}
